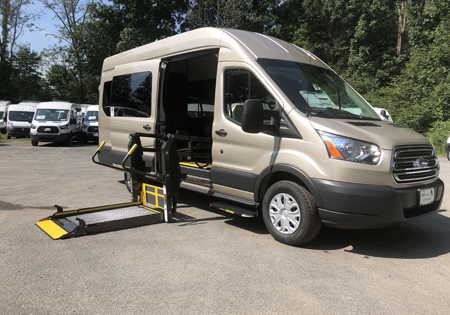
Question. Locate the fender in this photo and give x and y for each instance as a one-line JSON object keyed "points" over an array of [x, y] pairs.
{"points": [[268, 173]]}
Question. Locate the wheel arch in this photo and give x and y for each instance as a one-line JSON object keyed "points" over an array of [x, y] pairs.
{"points": [[277, 173]]}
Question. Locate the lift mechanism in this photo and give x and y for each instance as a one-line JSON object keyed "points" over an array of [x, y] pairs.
{"points": [[154, 190], [154, 193]]}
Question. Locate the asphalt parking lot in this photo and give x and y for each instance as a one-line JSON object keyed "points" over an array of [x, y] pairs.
{"points": [[206, 262]]}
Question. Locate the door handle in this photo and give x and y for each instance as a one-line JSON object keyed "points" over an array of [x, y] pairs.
{"points": [[221, 133], [147, 127]]}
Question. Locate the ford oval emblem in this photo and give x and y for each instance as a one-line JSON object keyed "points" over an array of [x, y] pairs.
{"points": [[420, 163]]}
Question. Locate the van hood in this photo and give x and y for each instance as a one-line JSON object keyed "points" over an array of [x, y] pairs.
{"points": [[386, 135]]}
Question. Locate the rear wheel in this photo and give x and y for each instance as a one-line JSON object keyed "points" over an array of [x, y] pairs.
{"points": [[128, 181], [290, 213], [448, 155]]}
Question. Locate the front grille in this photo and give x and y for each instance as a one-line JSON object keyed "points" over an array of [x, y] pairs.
{"points": [[48, 129], [21, 130], [92, 129], [413, 164]]}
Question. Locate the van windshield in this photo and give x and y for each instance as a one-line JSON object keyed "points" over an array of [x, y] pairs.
{"points": [[20, 115], [46, 114], [91, 116], [318, 91]]}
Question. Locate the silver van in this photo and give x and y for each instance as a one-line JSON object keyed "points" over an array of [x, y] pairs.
{"points": [[56, 122], [289, 137], [89, 128], [17, 119]]}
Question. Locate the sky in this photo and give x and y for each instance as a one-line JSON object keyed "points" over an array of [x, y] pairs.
{"points": [[37, 39]]}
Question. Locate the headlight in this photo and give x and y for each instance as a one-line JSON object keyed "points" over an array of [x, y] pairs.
{"points": [[347, 149], [33, 126], [10, 124], [63, 127]]}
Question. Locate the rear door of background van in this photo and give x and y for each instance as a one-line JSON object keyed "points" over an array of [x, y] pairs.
{"points": [[128, 104]]}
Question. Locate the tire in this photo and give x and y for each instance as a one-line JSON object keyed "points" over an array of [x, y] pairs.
{"points": [[84, 139], [290, 213], [448, 155], [128, 181], [34, 143], [8, 137]]}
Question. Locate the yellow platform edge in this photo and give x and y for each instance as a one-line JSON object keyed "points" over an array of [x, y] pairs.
{"points": [[51, 228]]}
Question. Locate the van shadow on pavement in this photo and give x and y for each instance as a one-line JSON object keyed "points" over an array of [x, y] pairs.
{"points": [[425, 237]]}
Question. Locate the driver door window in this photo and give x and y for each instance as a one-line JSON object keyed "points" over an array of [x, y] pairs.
{"points": [[241, 85]]}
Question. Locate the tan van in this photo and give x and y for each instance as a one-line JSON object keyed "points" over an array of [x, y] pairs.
{"points": [[290, 139]]}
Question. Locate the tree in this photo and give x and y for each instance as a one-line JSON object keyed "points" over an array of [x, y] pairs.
{"points": [[25, 76], [14, 19], [250, 15], [148, 20], [420, 96], [72, 14]]}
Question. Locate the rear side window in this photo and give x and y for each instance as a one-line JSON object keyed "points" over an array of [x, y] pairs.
{"points": [[128, 95]]}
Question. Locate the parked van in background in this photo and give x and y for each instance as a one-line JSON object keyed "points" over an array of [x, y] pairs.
{"points": [[2, 114], [286, 135], [17, 118], [89, 129], [56, 122], [383, 113]]}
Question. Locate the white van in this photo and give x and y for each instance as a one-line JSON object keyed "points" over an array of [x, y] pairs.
{"points": [[17, 117], [89, 129], [2, 123], [288, 137], [56, 122], [383, 113]]}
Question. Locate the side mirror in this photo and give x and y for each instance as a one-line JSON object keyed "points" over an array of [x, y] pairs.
{"points": [[253, 117], [256, 119], [4, 118], [383, 113], [73, 121], [30, 119]]}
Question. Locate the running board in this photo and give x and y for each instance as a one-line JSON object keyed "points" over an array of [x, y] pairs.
{"points": [[247, 213]]}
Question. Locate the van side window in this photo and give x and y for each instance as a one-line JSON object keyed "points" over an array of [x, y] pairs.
{"points": [[130, 95], [241, 85], [107, 96]]}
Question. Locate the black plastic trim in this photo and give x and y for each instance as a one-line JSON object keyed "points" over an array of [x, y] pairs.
{"points": [[264, 178], [233, 179], [111, 157], [358, 206]]}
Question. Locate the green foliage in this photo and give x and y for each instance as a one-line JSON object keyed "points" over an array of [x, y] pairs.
{"points": [[438, 135], [404, 68], [420, 95], [25, 77]]}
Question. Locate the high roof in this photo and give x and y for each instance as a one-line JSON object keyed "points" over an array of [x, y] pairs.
{"points": [[239, 45]]}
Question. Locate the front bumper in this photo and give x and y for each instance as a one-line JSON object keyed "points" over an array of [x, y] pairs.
{"points": [[357, 206], [50, 137], [89, 135], [18, 132]]}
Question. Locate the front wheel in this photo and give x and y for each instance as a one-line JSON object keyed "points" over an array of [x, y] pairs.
{"points": [[290, 213], [448, 155], [34, 143]]}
